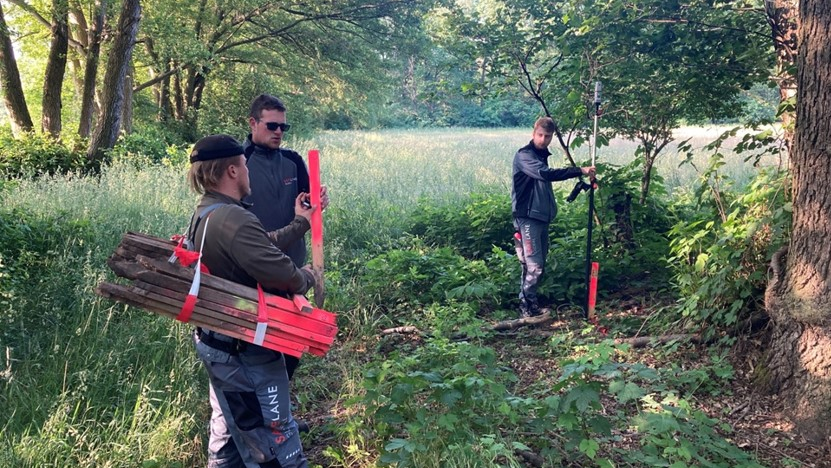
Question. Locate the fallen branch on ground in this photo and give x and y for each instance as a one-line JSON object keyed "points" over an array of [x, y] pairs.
{"points": [[405, 330], [643, 341], [541, 319]]}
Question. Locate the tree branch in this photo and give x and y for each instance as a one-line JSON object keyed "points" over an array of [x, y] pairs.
{"points": [[43, 21]]}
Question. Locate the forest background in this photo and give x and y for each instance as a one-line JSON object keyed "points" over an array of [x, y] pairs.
{"points": [[104, 98]]}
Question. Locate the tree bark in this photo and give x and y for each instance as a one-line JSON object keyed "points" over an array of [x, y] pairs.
{"points": [[91, 69], [798, 296], [127, 108], [783, 19], [10, 82], [178, 97], [109, 121], [621, 205], [50, 121]]}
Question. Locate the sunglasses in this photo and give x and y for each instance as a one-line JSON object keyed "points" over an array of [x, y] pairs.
{"points": [[272, 126]]}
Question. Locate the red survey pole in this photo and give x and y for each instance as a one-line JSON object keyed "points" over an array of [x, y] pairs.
{"points": [[593, 290], [317, 226]]}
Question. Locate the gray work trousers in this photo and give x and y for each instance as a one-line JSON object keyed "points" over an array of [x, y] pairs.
{"points": [[532, 249], [251, 423]]}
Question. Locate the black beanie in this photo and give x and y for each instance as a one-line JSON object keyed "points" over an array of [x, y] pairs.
{"points": [[215, 147]]}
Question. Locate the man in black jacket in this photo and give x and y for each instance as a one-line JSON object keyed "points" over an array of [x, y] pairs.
{"points": [[533, 207], [278, 175]]}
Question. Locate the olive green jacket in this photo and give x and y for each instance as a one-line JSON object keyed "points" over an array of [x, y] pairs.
{"points": [[237, 248]]}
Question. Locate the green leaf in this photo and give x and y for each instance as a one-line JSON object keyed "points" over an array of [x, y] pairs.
{"points": [[630, 392], [395, 444], [589, 447]]}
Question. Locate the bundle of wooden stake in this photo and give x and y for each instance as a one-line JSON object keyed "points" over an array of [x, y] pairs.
{"points": [[294, 326]]}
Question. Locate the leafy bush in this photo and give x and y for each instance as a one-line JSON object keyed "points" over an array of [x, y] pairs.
{"points": [[441, 405], [721, 254], [471, 226], [150, 145], [403, 279], [454, 404], [34, 154]]}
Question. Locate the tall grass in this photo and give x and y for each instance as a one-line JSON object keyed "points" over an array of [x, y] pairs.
{"points": [[93, 383], [96, 383]]}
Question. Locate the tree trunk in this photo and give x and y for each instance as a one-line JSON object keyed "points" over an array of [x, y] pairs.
{"points": [[10, 82], [178, 97], [127, 109], [50, 121], [621, 205], [783, 18], [165, 107], [798, 297], [193, 99], [109, 121], [91, 70], [646, 178]]}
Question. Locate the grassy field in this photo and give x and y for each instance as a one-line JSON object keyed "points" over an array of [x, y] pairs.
{"points": [[86, 382]]}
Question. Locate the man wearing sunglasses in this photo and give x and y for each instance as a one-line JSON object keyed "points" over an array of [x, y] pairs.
{"points": [[279, 179]]}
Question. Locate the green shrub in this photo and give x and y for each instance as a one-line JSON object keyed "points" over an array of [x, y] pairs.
{"points": [[442, 405], [150, 145], [721, 254], [406, 279], [35, 154], [471, 227], [454, 404]]}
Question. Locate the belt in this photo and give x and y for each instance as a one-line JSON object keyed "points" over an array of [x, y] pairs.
{"points": [[233, 347]]}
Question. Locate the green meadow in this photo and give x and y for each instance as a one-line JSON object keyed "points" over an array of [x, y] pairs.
{"points": [[88, 382]]}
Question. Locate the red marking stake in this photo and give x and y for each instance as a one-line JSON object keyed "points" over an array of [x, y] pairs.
{"points": [[317, 225], [593, 289]]}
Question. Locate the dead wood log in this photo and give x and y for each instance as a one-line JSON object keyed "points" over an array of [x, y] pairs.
{"points": [[542, 319], [405, 330], [643, 341], [532, 458], [523, 322]]}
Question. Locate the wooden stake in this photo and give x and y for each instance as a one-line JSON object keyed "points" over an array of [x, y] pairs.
{"points": [[317, 226]]}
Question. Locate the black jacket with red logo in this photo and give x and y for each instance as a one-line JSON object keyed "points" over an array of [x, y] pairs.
{"points": [[277, 177], [531, 192]]}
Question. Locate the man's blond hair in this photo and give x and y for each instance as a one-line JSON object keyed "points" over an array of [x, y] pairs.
{"points": [[205, 175], [546, 123]]}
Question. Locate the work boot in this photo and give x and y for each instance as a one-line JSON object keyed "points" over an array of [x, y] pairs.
{"points": [[526, 309]]}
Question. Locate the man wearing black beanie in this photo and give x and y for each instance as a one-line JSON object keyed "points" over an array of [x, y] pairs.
{"points": [[251, 421]]}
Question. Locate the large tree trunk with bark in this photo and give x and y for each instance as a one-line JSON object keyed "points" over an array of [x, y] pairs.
{"points": [[118, 64], [798, 297], [10, 82], [50, 121], [91, 69]]}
